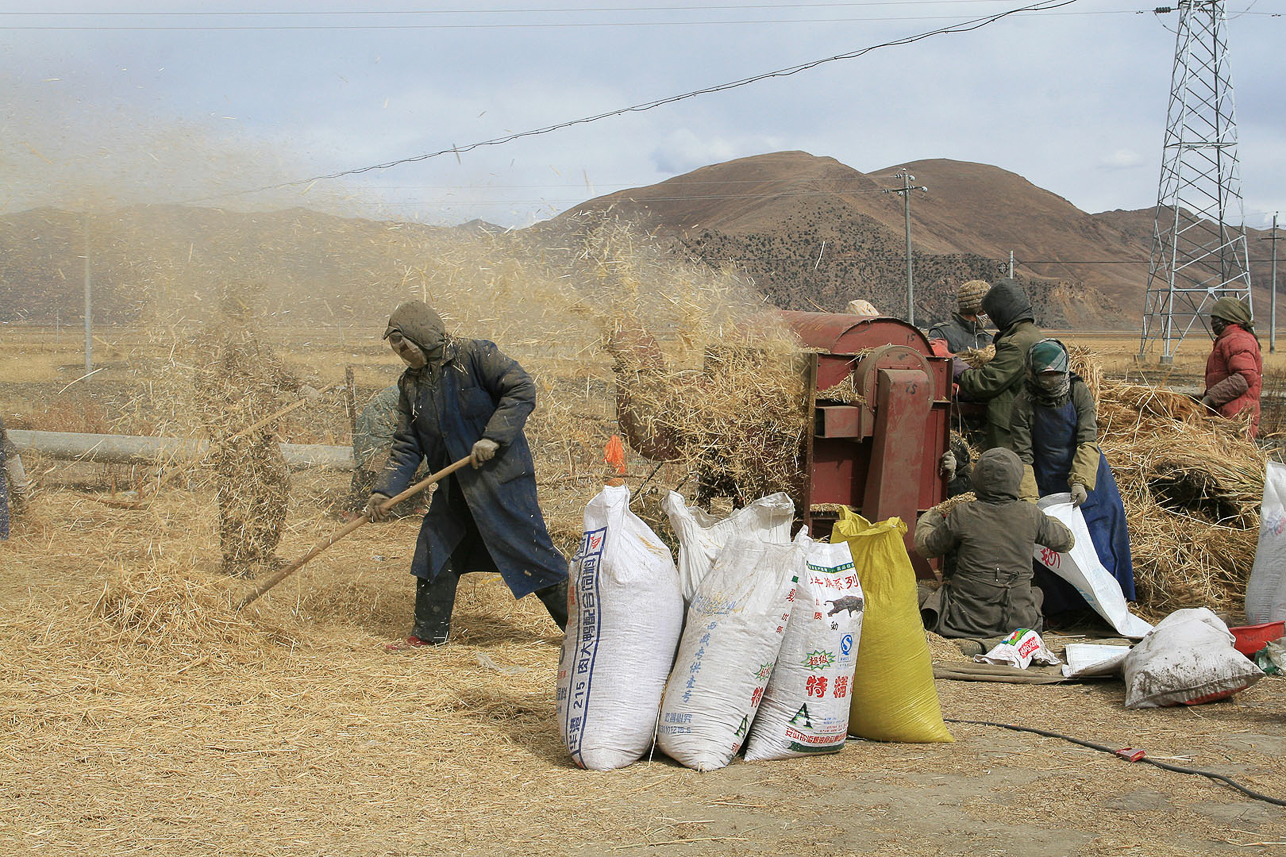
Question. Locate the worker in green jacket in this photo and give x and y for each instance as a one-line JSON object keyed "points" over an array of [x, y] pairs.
{"points": [[998, 382]]}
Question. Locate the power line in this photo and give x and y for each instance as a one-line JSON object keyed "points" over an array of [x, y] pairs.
{"points": [[963, 27], [548, 25], [497, 11]]}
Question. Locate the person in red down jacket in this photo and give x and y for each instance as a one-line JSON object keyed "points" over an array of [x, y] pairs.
{"points": [[1235, 368]]}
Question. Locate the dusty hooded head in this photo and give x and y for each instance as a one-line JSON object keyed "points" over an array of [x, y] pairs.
{"points": [[997, 475], [1006, 303], [1232, 310], [417, 322]]}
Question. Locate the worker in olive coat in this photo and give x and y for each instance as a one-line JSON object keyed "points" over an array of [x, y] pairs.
{"points": [[459, 398], [1235, 368], [990, 593], [998, 382]]}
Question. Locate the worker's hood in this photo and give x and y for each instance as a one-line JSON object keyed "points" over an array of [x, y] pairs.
{"points": [[997, 475], [417, 321], [1006, 303], [1049, 376], [1230, 309]]}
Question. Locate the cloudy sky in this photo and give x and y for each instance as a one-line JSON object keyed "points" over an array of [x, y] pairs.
{"points": [[204, 101]]}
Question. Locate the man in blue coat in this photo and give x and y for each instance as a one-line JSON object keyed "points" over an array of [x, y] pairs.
{"points": [[462, 397]]}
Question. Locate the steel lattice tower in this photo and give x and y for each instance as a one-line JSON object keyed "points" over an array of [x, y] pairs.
{"points": [[1199, 237]]}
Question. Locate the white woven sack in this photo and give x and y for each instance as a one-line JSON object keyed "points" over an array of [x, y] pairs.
{"points": [[624, 620], [1266, 591], [805, 707], [702, 535], [1187, 659], [1082, 568], [730, 644]]}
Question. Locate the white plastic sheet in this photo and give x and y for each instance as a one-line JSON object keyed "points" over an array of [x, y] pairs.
{"points": [[1266, 592], [1081, 568], [1086, 659]]}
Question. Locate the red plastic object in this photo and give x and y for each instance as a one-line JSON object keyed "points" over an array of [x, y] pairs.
{"points": [[1130, 754], [1251, 638]]}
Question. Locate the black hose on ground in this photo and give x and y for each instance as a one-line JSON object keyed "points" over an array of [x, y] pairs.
{"points": [[1176, 768]]}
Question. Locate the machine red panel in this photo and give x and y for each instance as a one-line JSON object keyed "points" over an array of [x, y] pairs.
{"points": [[877, 455]]}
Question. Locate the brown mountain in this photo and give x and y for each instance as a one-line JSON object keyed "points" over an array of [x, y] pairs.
{"points": [[811, 232], [771, 213]]}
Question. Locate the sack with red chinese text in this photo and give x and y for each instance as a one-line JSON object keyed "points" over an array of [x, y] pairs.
{"points": [[1187, 659], [730, 644], [805, 708], [702, 535], [624, 619]]}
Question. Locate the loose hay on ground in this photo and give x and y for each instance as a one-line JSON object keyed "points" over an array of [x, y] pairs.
{"points": [[1191, 485]]}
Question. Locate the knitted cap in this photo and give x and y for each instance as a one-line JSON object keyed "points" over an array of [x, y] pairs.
{"points": [[969, 298]]}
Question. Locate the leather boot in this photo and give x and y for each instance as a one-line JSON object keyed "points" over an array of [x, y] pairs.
{"points": [[555, 600], [433, 602]]}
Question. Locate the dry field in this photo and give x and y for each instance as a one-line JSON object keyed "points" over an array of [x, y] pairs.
{"points": [[140, 715], [1118, 351]]}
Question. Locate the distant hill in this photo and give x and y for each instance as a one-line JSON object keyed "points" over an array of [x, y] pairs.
{"points": [[770, 214], [811, 232], [310, 264]]}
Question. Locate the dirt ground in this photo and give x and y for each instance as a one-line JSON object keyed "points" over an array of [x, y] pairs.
{"points": [[289, 731]]}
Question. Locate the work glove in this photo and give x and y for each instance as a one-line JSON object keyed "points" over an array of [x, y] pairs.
{"points": [[484, 450], [947, 465], [375, 508], [958, 368], [1079, 494]]}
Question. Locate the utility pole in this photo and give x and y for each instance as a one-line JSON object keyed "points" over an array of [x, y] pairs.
{"points": [[1272, 298], [1011, 264], [905, 190], [89, 307]]}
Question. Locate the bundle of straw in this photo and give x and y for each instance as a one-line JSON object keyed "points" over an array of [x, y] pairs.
{"points": [[978, 357]]}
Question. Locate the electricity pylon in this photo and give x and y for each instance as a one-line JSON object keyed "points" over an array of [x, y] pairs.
{"points": [[1199, 236]]}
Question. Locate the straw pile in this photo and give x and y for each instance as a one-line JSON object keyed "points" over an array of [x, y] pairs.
{"points": [[168, 603], [1191, 485]]}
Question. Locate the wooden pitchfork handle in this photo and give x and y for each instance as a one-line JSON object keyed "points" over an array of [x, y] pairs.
{"points": [[283, 573]]}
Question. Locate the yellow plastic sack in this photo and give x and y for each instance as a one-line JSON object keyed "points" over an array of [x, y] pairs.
{"points": [[893, 694]]}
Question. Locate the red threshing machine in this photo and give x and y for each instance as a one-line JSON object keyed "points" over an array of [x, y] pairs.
{"points": [[877, 453]]}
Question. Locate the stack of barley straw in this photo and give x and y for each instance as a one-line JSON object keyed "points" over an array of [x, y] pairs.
{"points": [[1191, 485]]}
